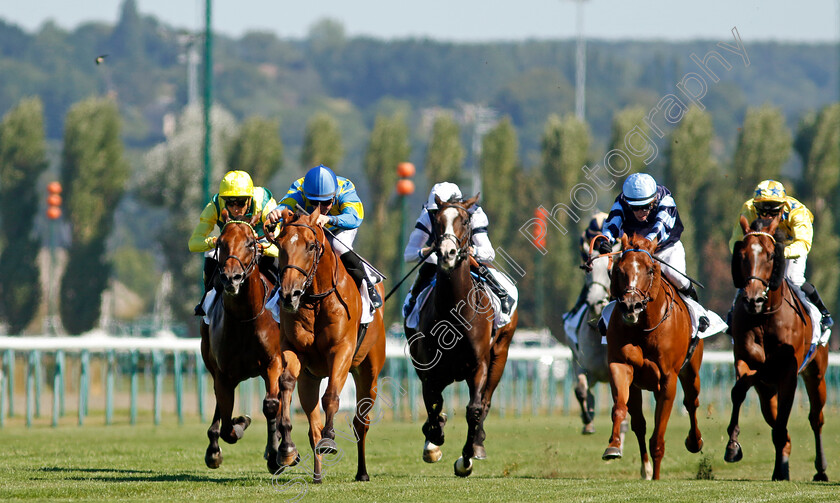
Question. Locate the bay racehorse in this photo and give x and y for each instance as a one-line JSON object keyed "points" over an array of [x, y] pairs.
{"points": [[771, 331], [242, 340], [456, 339], [649, 347], [320, 318]]}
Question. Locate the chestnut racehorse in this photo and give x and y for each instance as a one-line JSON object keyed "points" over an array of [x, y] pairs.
{"points": [[772, 331], [456, 340], [649, 347], [242, 340], [320, 318]]}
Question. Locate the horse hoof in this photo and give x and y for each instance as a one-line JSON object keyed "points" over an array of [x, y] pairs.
{"points": [[431, 453], [479, 452], [326, 446], [733, 452], [364, 477], [213, 459], [588, 429], [693, 447], [463, 469], [289, 459], [821, 477], [611, 453]]}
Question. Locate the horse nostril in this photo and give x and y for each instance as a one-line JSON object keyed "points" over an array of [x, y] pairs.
{"points": [[452, 253], [297, 293]]}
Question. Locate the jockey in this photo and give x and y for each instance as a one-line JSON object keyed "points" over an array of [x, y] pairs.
{"points": [[341, 212], [242, 200], [647, 208], [422, 242], [770, 200]]}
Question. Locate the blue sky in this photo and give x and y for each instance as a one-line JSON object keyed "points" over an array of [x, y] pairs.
{"points": [[469, 20]]}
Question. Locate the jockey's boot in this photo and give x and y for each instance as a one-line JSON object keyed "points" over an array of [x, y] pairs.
{"points": [[814, 296], [357, 271], [424, 277], [703, 321], [497, 289]]}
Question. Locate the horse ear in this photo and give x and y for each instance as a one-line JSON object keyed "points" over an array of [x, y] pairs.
{"points": [[316, 212], [779, 266], [614, 289], [653, 243], [255, 220], [471, 201], [737, 277], [438, 202], [745, 225], [287, 215], [224, 216], [625, 242]]}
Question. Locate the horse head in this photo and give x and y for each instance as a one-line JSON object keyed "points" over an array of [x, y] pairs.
{"points": [[598, 283], [453, 231], [636, 277], [238, 251], [758, 262], [301, 245]]}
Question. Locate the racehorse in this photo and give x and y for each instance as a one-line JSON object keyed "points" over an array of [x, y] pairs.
{"points": [[242, 340], [649, 347], [590, 356], [771, 332], [456, 340], [320, 317]]}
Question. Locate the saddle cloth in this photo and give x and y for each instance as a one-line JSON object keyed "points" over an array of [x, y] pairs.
{"points": [[716, 324], [274, 305], [817, 338], [500, 319]]}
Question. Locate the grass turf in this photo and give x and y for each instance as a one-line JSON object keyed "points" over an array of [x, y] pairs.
{"points": [[529, 459]]}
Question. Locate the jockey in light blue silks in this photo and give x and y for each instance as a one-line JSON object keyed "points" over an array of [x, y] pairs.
{"points": [[341, 212]]}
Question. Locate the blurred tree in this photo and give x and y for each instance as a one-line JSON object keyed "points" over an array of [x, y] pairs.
{"points": [[688, 168], [499, 163], [818, 143], [94, 175], [763, 148], [444, 154], [322, 143], [388, 146], [623, 122], [127, 38], [173, 180], [257, 149], [23, 158], [136, 270], [565, 143]]}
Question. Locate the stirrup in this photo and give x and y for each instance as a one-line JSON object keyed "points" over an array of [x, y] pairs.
{"points": [[375, 299], [827, 322], [702, 323], [199, 311]]}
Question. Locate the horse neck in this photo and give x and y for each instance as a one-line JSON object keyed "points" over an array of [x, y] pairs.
{"points": [[325, 273], [452, 288]]}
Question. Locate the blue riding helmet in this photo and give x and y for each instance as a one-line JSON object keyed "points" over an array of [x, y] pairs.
{"points": [[639, 189], [320, 184]]}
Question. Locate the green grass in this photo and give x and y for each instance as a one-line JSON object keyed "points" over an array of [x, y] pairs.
{"points": [[529, 459]]}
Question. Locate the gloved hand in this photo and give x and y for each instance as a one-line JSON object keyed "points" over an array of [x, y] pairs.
{"points": [[604, 246]]}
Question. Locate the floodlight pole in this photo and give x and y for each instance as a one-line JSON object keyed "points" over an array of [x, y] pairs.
{"points": [[208, 98]]}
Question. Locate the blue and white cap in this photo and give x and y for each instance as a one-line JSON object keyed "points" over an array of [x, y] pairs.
{"points": [[639, 189], [320, 184]]}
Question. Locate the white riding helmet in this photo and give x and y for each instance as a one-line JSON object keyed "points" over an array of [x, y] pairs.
{"points": [[639, 189], [445, 191]]}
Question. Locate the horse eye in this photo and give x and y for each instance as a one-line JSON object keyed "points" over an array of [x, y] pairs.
{"points": [[311, 246], [651, 271]]}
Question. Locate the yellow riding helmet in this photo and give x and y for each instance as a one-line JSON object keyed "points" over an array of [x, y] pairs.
{"points": [[770, 192], [236, 184]]}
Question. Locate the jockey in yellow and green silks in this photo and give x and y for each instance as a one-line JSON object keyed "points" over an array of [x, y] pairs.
{"points": [[242, 200], [341, 212]]}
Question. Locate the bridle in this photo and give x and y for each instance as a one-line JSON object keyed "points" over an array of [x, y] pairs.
{"points": [[646, 297], [247, 270], [462, 244], [309, 275], [763, 281]]}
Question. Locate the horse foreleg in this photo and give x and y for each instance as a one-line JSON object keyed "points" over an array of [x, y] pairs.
{"points": [[287, 454], [213, 455], [690, 381], [621, 377], [746, 379], [233, 428], [435, 421], [308, 388], [582, 393], [639, 426], [664, 404], [815, 386], [781, 437], [475, 409], [498, 360], [271, 408], [339, 366]]}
